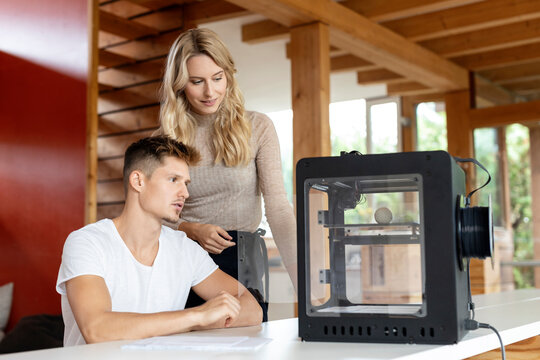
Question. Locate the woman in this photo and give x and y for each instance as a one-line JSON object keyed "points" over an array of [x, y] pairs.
{"points": [[202, 106]]}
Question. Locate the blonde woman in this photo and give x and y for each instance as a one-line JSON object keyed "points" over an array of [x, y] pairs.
{"points": [[203, 107]]}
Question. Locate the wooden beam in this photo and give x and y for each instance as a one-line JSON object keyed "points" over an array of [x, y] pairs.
{"points": [[107, 39], [262, 31], [513, 73], [129, 98], [377, 76], [132, 74], [524, 86], [494, 38], [459, 130], [163, 20], [408, 126], [123, 8], [505, 114], [377, 10], [374, 10], [90, 209], [147, 48], [500, 58], [472, 17], [408, 88], [349, 63], [356, 34], [493, 93], [129, 121], [201, 12], [123, 27], [107, 58], [310, 71], [157, 4], [115, 146]]}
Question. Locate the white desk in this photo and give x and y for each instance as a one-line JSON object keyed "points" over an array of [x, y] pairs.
{"points": [[515, 314]]}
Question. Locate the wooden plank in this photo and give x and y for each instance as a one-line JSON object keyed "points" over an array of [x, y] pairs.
{"points": [[493, 93], [458, 125], [499, 58], [147, 48], [494, 38], [359, 36], [262, 31], [505, 114], [123, 27], [513, 73], [115, 146], [132, 74], [164, 20], [107, 39], [472, 17], [109, 211], [157, 4], [110, 169], [107, 58], [310, 72], [349, 63], [408, 88], [110, 191], [202, 12], [374, 10], [123, 8], [129, 120], [128, 98], [90, 210], [377, 10], [408, 127], [524, 86], [377, 76]]}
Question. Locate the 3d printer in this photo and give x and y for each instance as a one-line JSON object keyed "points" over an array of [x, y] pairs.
{"points": [[382, 243]]}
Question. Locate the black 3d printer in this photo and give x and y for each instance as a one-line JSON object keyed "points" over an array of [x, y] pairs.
{"points": [[384, 243]]}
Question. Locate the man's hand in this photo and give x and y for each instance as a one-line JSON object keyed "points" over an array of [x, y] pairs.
{"points": [[219, 312], [212, 238]]}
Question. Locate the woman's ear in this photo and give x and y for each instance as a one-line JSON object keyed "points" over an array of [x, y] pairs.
{"points": [[136, 180]]}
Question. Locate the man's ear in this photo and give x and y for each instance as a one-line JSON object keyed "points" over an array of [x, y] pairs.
{"points": [[137, 180]]}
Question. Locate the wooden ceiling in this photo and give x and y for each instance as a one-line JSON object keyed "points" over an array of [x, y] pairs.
{"points": [[413, 46]]}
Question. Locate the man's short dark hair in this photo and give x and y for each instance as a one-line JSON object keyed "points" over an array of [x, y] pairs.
{"points": [[148, 153]]}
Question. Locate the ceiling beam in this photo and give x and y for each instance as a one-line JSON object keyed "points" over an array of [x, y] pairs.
{"points": [[499, 58], [498, 37], [387, 10], [505, 114], [374, 10], [378, 76], [157, 4], [200, 12], [107, 58], [349, 63], [513, 73], [467, 18], [356, 34], [408, 88], [123, 27]]}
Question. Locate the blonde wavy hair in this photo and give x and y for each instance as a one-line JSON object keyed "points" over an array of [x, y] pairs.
{"points": [[231, 131]]}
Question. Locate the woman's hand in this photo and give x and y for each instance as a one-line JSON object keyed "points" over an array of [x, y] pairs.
{"points": [[212, 238]]}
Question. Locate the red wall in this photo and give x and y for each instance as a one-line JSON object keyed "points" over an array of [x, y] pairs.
{"points": [[43, 70]]}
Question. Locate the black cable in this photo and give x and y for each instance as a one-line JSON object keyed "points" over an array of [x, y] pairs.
{"points": [[476, 162], [474, 325], [470, 302]]}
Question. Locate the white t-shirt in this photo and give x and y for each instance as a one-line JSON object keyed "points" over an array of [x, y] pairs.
{"points": [[98, 249]]}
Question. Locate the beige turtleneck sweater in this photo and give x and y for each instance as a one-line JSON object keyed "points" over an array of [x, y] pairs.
{"points": [[230, 197]]}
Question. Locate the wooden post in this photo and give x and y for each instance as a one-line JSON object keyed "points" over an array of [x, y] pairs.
{"points": [[534, 153], [91, 113], [310, 72], [408, 125]]}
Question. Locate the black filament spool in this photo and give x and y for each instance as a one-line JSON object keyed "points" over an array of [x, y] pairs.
{"points": [[475, 232]]}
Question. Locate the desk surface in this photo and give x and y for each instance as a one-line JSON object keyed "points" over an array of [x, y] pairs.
{"points": [[515, 314]]}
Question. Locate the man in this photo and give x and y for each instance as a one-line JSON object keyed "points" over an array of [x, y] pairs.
{"points": [[129, 278]]}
